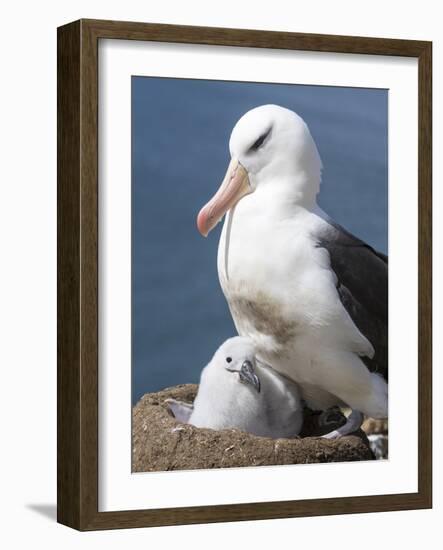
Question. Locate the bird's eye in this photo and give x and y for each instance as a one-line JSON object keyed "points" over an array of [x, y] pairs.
{"points": [[257, 144], [228, 359]]}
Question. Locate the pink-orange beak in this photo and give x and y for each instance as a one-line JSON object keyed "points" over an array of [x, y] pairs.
{"points": [[235, 185]]}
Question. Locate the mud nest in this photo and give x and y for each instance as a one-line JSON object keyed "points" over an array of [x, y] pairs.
{"points": [[161, 443]]}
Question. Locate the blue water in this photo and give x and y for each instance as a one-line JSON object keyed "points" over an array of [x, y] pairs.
{"points": [[180, 153]]}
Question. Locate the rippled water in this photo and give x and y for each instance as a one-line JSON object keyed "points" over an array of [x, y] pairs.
{"points": [[181, 130]]}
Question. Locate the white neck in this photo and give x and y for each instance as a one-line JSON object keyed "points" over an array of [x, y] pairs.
{"points": [[282, 197]]}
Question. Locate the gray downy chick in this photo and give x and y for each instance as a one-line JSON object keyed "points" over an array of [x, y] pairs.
{"points": [[237, 390]]}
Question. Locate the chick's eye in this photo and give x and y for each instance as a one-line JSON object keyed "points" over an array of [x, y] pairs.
{"points": [[228, 359]]}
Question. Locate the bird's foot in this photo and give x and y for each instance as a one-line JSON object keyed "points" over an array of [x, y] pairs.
{"points": [[353, 423]]}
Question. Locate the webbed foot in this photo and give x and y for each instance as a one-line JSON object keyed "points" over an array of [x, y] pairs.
{"points": [[353, 423]]}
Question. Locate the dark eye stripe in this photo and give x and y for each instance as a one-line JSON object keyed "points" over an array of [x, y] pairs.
{"points": [[257, 144]]}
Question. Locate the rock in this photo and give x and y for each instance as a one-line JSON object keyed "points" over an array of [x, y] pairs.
{"points": [[161, 443], [377, 432], [379, 444]]}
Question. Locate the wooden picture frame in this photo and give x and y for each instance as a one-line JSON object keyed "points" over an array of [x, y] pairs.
{"points": [[77, 456]]}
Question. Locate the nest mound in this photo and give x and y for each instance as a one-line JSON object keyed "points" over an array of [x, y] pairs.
{"points": [[161, 443]]}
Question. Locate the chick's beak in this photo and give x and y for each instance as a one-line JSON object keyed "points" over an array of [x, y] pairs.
{"points": [[248, 376]]}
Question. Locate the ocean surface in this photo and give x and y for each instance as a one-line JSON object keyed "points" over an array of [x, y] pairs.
{"points": [[180, 134]]}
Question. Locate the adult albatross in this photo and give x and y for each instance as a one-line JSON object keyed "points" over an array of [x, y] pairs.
{"points": [[312, 297]]}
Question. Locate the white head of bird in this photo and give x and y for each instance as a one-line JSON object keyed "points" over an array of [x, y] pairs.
{"points": [[272, 152], [232, 374]]}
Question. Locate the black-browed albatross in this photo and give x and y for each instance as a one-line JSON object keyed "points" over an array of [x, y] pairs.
{"points": [[312, 297]]}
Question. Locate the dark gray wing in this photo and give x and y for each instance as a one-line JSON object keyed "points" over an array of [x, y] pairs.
{"points": [[362, 284]]}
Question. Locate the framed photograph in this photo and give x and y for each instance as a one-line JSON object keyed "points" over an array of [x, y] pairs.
{"points": [[245, 369]]}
